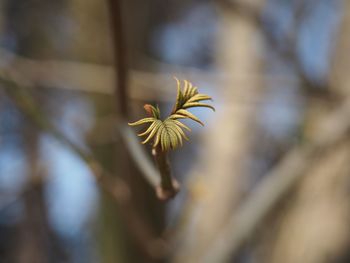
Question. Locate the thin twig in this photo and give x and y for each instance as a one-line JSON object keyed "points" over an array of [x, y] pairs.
{"points": [[121, 93], [332, 130], [168, 186]]}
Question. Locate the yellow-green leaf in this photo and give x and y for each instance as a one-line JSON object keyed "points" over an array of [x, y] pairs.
{"points": [[189, 115], [197, 104], [153, 132], [150, 128], [142, 121], [181, 124], [181, 133], [199, 97], [177, 116]]}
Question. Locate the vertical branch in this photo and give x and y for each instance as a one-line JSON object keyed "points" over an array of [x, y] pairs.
{"points": [[120, 56], [169, 186], [144, 230], [33, 241]]}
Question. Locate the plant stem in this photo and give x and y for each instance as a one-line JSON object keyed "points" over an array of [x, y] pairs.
{"points": [[169, 186]]}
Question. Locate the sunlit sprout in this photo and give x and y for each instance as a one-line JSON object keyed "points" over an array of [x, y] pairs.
{"points": [[169, 133]]}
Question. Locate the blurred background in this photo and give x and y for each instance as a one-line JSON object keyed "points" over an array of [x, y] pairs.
{"points": [[266, 180]]}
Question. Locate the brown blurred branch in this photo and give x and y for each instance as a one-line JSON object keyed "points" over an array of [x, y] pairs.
{"points": [[121, 69], [288, 52], [331, 130], [214, 190], [116, 187], [97, 78]]}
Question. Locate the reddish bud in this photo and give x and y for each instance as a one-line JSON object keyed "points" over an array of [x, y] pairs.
{"points": [[148, 109]]}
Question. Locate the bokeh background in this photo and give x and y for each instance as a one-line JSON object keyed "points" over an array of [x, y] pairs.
{"points": [[266, 180]]}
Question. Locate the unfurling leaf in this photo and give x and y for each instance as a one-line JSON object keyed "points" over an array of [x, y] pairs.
{"points": [[142, 121], [189, 115], [168, 133]]}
